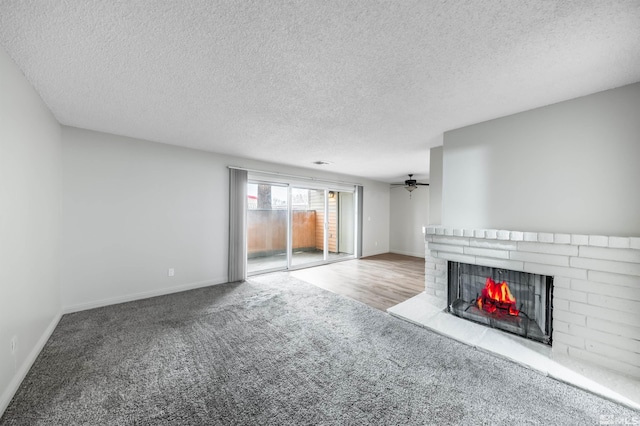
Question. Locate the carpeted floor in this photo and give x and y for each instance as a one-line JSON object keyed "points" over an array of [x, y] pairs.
{"points": [[276, 350]]}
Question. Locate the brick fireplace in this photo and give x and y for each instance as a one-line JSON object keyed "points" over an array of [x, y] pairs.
{"points": [[596, 279]]}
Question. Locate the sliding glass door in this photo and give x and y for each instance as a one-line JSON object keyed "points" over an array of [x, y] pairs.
{"points": [[267, 227], [307, 226], [292, 226]]}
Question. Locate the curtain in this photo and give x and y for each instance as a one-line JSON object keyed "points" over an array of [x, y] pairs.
{"points": [[237, 225], [359, 195]]}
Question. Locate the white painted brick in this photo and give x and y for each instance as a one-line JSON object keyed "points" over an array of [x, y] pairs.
{"points": [[567, 339], [562, 282], [605, 253], [612, 278], [537, 268], [560, 348], [567, 294], [579, 240], [479, 233], [468, 233], [448, 231], [439, 231], [484, 252], [604, 313], [531, 236], [563, 250], [621, 355], [441, 267], [429, 265], [605, 361], [561, 326], [560, 304], [516, 236], [490, 234], [598, 240], [606, 266], [431, 230], [497, 263], [430, 291], [428, 238], [458, 232], [503, 235], [570, 317], [434, 273], [617, 329], [545, 237], [441, 294], [634, 243], [606, 338], [621, 292], [493, 244], [454, 241], [434, 254], [619, 242], [562, 238], [437, 287], [546, 259], [454, 257], [430, 279], [445, 248], [613, 302]]}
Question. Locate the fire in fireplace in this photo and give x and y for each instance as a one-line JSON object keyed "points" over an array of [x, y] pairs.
{"points": [[497, 297], [517, 302]]}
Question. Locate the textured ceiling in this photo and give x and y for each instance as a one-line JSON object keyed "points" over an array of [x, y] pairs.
{"points": [[368, 85]]}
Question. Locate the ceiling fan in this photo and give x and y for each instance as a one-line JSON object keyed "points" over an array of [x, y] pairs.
{"points": [[409, 184]]}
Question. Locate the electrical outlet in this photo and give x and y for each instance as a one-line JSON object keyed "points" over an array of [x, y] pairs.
{"points": [[171, 272], [14, 344]]}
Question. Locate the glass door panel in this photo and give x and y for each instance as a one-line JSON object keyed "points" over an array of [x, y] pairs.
{"points": [[307, 226], [267, 227]]}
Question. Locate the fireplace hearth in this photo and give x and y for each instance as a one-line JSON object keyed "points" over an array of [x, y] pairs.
{"points": [[512, 301]]}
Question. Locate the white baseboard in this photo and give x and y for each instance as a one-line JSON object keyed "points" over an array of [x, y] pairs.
{"points": [[8, 394], [141, 295], [408, 253]]}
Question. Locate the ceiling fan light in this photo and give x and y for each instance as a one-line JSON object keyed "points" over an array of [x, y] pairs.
{"points": [[410, 187]]}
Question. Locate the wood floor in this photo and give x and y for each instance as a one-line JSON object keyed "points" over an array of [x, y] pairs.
{"points": [[379, 281]]}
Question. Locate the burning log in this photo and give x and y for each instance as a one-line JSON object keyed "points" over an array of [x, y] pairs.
{"points": [[497, 297]]}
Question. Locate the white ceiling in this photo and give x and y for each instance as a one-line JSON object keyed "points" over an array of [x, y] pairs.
{"points": [[368, 85]]}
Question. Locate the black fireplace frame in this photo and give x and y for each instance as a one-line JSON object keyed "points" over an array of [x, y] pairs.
{"points": [[524, 327]]}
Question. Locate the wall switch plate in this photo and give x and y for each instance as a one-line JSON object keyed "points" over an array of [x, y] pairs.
{"points": [[171, 272]]}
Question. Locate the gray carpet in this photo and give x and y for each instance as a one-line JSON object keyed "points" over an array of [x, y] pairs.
{"points": [[276, 350]]}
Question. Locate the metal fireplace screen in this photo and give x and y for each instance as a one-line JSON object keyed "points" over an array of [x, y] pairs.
{"points": [[517, 302]]}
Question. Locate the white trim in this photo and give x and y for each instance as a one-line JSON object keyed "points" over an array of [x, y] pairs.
{"points": [[15, 383], [141, 295]]}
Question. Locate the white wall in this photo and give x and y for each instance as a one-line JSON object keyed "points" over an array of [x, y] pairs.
{"points": [[133, 208], [571, 167], [29, 225], [435, 185], [408, 216]]}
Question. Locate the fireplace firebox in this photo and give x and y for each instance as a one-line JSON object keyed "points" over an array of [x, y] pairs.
{"points": [[512, 301]]}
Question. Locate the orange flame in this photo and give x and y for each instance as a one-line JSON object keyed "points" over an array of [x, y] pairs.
{"points": [[497, 296]]}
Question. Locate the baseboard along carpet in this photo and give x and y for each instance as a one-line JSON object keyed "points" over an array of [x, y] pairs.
{"points": [[276, 350]]}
